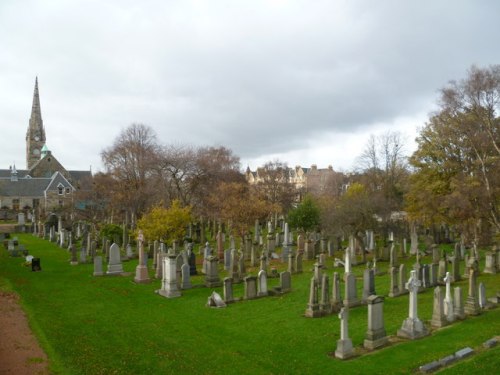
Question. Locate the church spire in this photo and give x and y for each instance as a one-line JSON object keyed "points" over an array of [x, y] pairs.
{"points": [[35, 136]]}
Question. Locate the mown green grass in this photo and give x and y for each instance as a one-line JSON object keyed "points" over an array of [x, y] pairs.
{"points": [[110, 325]]}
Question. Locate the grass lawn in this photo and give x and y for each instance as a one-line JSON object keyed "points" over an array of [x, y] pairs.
{"points": [[110, 325]]}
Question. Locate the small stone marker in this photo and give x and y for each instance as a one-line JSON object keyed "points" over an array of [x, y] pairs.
{"points": [[430, 367], [285, 282], [215, 300], [490, 343], [228, 290], [464, 353], [98, 266], [312, 310], [185, 275], [262, 286], [250, 287]]}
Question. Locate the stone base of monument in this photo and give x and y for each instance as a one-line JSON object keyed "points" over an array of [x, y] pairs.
{"points": [[472, 306], [344, 349], [169, 293], [412, 329], [374, 344], [142, 275], [375, 339], [313, 311]]}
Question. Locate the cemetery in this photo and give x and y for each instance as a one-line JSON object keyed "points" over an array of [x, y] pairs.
{"points": [[100, 307]]}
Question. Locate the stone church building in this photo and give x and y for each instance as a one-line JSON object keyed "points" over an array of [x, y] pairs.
{"points": [[45, 185]]}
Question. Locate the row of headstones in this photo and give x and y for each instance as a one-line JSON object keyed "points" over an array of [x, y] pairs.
{"points": [[256, 286], [445, 311]]}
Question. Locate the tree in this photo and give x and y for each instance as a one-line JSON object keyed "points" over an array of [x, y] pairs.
{"points": [[235, 203], [353, 212], [384, 173], [166, 224], [274, 185], [130, 162], [306, 215], [457, 162]]}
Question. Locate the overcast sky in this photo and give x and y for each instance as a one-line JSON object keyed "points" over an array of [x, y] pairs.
{"points": [[305, 82]]}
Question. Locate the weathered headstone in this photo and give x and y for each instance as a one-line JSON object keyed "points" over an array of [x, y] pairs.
{"points": [[490, 263], [375, 335], [169, 287], [98, 266], [262, 284], [74, 259], [212, 278], [141, 270], [336, 299], [482, 296], [285, 282], [298, 263], [448, 300], [228, 290], [394, 287], [368, 284], [312, 310], [471, 303], [350, 298], [250, 283], [458, 305], [185, 275], [325, 306], [438, 318]]}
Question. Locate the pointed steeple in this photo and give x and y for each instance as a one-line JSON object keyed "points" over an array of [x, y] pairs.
{"points": [[35, 136], [36, 122]]}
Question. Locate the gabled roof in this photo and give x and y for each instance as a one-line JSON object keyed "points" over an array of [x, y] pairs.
{"points": [[24, 187], [56, 180]]}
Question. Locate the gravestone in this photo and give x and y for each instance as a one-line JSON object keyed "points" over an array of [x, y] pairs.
{"points": [[426, 280], [291, 263], [262, 285], [169, 280], [438, 318], [471, 303], [220, 245], [455, 269], [74, 259], [344, 345], [228, 259], [192, 263], [490, 263], [325, 306], [298, 263], [482, 296], [228, 290], [413, 327], [185, 274], [215, 300], [351, 298], [368, 284], [250, 283], [458, 304], [394, 287], [402, 279], [336, 299], [83, 255], [129, 252], [433, 275], [159, 266], [448, 300], [285, 282], [212, 278], [312, 310], [376, 336], [115, 262], [98, 266], [141, 270]]}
